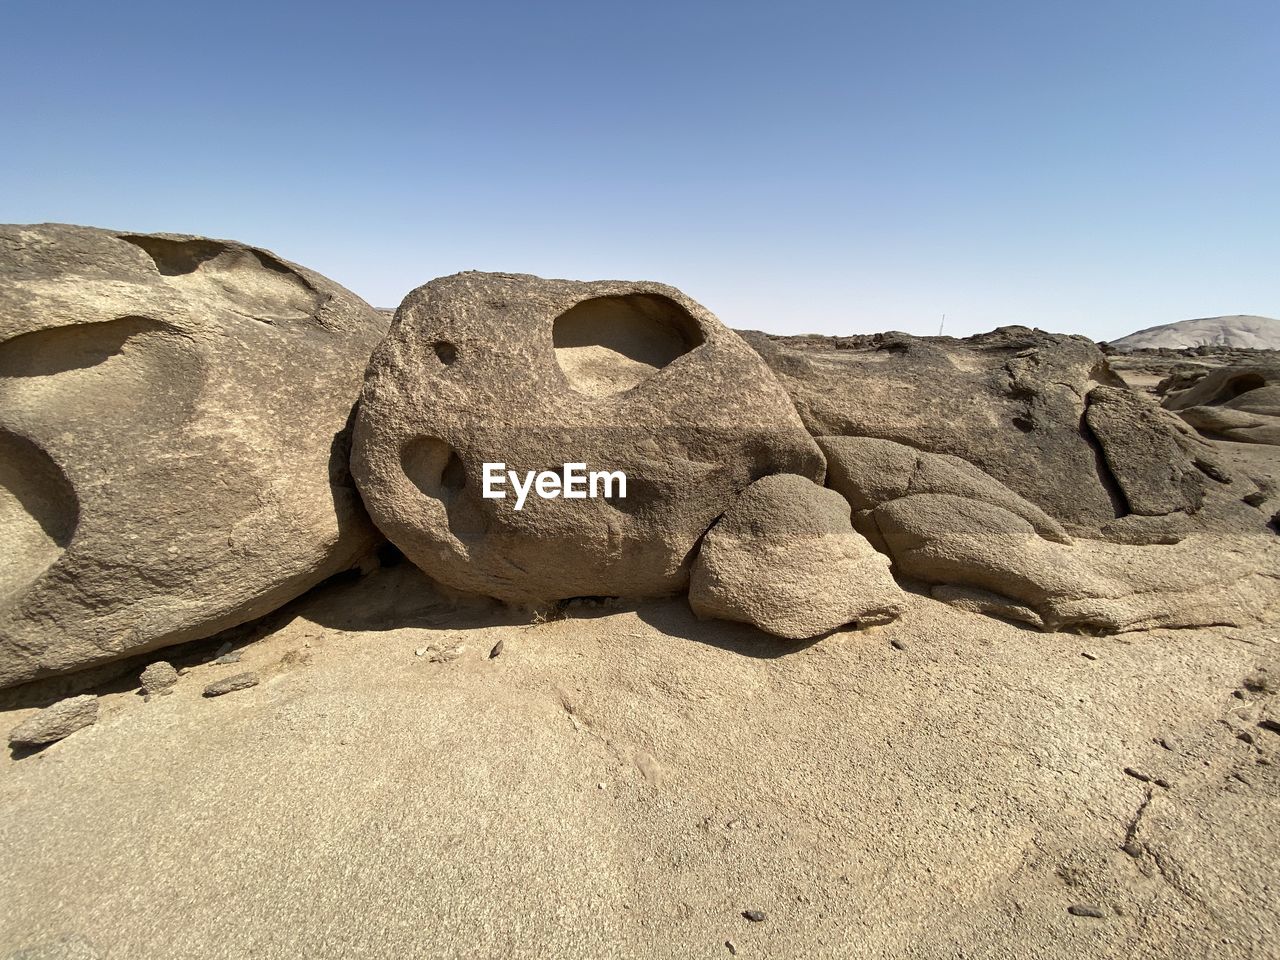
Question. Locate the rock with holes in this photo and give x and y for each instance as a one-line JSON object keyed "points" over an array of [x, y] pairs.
{"points": [[1042, 414], [984, 548], [1239, 403], [784, 558], [534, 374], [173, 440]]}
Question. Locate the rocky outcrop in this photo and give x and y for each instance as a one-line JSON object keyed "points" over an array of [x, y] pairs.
{"points": [[980, 546], [1040, 413], [784, 558], [173, 440], [535, 374], [1240, 403]]}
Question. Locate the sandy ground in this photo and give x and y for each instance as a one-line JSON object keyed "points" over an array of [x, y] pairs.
{"points": [[627, 782]]}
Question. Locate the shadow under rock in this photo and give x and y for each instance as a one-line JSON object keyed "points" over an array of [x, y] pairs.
{"points": [[675, 619]]}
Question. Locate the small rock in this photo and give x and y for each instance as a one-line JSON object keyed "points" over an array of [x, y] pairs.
{"points": [[497, 649], [1086, 910], [241, 681], [1245, 735], [1162, 783], [1269, 724], [1168, 743], [1088, 656], [1242, 778], [447, 655], [731, 947], [755, 916], [158, 677], [232, 657], [898, 644], [56, 722], [1238, 694], [1137, 774], [420, 652]]}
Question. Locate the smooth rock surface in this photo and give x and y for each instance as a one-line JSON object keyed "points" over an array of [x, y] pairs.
{"points": [[785, 558], [56, 722], [173, 440], [986, 550], [531, 373], [1240, 403]]}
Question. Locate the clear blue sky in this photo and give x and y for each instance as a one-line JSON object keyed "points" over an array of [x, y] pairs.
{"points": [[1090, 167]]}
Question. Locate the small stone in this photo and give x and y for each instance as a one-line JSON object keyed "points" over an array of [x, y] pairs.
{"points": [[158, 677], [420, 652], [599, 786], [731, 947], [755, 916], [56, 722], [898, 644], [1162, 783], [224, 659], [241, 681], [497, 649], [447, 655], [1169, 744], [1086, 910], [1137, 774], [1088, 656], [1242, 778], [1269, 724], [1245, 735], [1238, 694]]}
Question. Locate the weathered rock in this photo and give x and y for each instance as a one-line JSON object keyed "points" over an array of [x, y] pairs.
{"points": [[634, 377], [240, 681], [56, 722], [158, 677], [1239, 403], [173, 440], [1019, 405], [946, 526], [785, 558]]}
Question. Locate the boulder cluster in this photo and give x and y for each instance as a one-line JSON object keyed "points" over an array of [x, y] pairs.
{"points": [[195, 431]]}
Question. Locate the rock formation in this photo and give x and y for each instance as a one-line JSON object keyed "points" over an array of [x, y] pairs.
{"points": [[173, 440], [1040, 413], [1239, 331], [1239, 403], [947, 524], [534, 374], [784, 558]]}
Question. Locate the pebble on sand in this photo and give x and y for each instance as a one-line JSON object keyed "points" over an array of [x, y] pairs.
{"points": [[158, 677], [755, 916], [1086, 910], [241, 681], [56, 722]]}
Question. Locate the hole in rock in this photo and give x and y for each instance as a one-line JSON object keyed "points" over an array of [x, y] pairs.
{"points": [[433, 466], [1240, 385], [46, 353], [38, 512], [445, 351], [610, 344]]}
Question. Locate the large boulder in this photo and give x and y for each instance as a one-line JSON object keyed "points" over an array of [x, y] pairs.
{"points": [[1041, 413], [784, 558], [173, 440], [1240, 403], [535, 374], [978, 544]]}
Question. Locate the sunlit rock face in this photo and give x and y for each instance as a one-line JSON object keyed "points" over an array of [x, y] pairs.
{"points": [[173, 440], [632, 377]]}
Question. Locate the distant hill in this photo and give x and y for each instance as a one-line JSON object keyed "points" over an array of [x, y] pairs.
{"points": [[1238, 332]]}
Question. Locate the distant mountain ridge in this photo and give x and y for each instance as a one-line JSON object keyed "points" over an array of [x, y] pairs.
{"points": [[1242, 331]]}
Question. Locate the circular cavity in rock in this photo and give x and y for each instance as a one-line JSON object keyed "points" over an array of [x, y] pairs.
{"points": [[610, 344]]}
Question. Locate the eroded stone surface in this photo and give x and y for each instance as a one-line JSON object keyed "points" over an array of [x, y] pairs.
{"points": [[987, 550], [173, 442], [56, 722], [785, 558], [487, 368], [1239, 403], [1041, 413]]}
